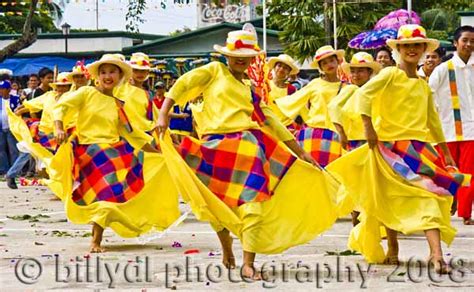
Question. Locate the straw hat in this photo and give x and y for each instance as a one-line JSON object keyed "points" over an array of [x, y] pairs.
{"points": [[411, 34], [240, 43], [80, 69], [114, 59], [285, 59], [362, 60], [64, 78], [324, 52], [140, 61]]}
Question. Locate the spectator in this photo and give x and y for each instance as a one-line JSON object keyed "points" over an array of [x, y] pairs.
{"points": [[433, 59], [33, 83], [46, 76], [8, 150], [383, 56]]}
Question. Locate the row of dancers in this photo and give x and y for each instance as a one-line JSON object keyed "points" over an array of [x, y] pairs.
{"points": [[387, 147]]}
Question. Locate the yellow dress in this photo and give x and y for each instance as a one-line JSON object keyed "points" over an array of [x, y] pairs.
{"points": [[290, 217], [22, 133], [318, 93], [384, 196], [136, 104], [155, 204], [277, 93]]}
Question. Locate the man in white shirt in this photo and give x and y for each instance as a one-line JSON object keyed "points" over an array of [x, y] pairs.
{"points": [[452, 84]]}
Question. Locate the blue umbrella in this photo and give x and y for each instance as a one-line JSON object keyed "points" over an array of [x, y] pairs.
{"points": [[357, 40], [377, 38]]}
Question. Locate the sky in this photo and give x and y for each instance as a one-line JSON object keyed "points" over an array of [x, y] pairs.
{"points": [[162, 16]]}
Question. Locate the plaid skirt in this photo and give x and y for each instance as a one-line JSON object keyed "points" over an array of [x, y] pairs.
{"points": [[106, 172], [47, 140], [420, 164], [238, 167], [323, 144], [354, 144]]}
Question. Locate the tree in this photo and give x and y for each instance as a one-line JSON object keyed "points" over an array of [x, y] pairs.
{"points": [[27, 38], [14, 14]]}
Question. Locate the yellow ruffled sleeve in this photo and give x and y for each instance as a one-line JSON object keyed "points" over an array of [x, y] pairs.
{"points": [[192, 84], [36, 104], [338, 102], [70, 104], [274, 124], [373, 89], [293, 105]]}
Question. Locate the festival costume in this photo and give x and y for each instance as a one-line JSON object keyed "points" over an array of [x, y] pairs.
{"points": [[246, 167], [452, 83], [403, 183], [276, 93]]}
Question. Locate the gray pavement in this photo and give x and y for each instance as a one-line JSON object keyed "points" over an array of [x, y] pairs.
{"points": [[40, 250]]}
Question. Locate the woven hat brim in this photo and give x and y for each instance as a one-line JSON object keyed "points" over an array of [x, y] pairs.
{"points": [[432, 43], [237, 52], [272, 62], [339, 53], [376, 67], [94, 68]]}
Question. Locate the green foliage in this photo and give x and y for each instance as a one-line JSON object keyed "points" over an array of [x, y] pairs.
{"points": [[15, 17], [134, 15]]}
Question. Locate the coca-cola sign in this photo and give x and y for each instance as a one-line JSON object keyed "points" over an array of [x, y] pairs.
{"points": [[229, 13]]}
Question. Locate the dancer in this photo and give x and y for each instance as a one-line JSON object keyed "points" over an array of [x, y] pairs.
{"points": [[42, 132], [80, 76], [319, 137], [398, 179], [241, 159], [283, 66], [138, 101], [349, 124], [453, 88], [115, 184]]}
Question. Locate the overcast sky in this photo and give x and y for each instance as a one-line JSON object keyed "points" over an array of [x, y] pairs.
{"points": [[159, 20]]}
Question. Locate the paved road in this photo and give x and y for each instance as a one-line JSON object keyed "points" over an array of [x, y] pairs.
{"points": [[41, 250]]}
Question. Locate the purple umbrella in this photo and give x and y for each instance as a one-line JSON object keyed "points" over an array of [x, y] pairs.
{"points": [[377, 38], [397, 18], [357, 40]]}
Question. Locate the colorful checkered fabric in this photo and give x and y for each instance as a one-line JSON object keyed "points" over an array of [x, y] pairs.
{"points": [[322, 144], [107, 172], [48, 141], [419, 163], [240, 167], [354, 144], [33, 125]]}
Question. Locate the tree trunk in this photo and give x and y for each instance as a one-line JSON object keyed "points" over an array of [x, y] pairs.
{"points": [[27, 38]]}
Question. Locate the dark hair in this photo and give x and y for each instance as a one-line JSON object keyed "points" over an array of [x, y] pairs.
{"points": [[44, 71], [440, 51], [383, 49], [458, 32], [33, 75], [120, 69], [447, 58]]}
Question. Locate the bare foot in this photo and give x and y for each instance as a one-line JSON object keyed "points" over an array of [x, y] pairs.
{"points": [[439, 265], [96, 248], [391, 258], [54, 198], [97, 232], [228, 258], [249, 272], [468, 221]]}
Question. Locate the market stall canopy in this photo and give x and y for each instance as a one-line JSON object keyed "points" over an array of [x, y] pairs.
{"points": [[27, 66]]}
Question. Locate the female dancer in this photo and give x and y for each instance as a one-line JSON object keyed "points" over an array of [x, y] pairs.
{"points": [[283, 66], [319, 137], [242, 160], [401, 181], [115, 184]]}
